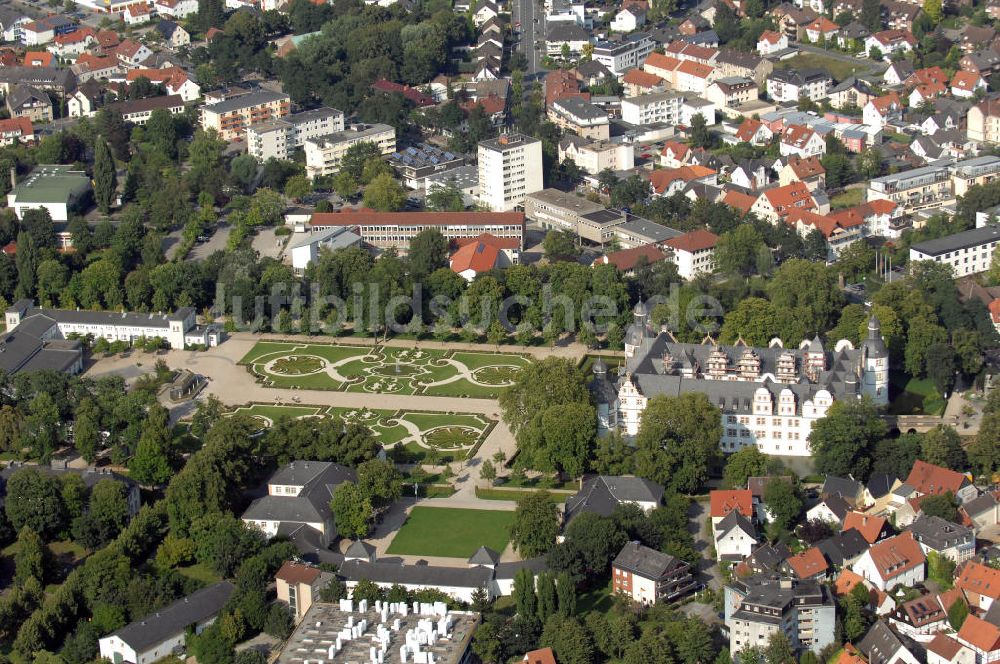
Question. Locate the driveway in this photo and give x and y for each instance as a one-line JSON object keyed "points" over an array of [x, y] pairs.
{"points": [[269, 245], [216, 242], [708, 570]]}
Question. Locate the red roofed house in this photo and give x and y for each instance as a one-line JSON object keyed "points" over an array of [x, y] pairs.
{"points": [[638, 82], [895, 561], [926, 478], [693, 253], [994, 309], [560, 84], [411, 94], [850, 655], [980, 583], [982, 638], [771, 42], [137, 13], [924, 616], [739, 200], [661, 65], [754, 132], [775, 204], [131, 53], [628, 259], [808, 565], [540, 656], [808, 170], [846, 582], [174, 79], [891, 41], [38, 59], [839, 233], [872, 528], [482, 254], [882, 110], [16, 130], [668, 181], [694, 77], [674, 154], [73, 43], [822, 27], [801, 141], [944, 649], [722, 502], [964, 84]]}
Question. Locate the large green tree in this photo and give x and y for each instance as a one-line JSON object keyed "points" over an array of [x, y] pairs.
{"points": [[678, 441], [843, 441], [536, 524], [105, 178]]}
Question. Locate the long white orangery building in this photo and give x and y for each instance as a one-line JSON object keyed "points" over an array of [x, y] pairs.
{"points": [[769, 397]]}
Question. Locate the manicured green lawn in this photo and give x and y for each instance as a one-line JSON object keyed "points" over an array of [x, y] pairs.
{"points": [[451, 532], [839, 69], [915, 397], [200, 572], [598, 599], [848, 198]]}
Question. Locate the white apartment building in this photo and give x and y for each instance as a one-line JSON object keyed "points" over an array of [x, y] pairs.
{"points": [[655, 107], [693, 253], [324, 153], [789, 85], [916, 189], [621, 56], [968, 252], [595, 157], [510, 167], [279, 138]]}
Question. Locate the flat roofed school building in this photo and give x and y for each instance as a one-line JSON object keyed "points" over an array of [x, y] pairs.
{"points": [[968, 252], [396, 229]]}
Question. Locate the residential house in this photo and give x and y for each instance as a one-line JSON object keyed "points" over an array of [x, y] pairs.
{"points": [[754, 132], [621, 55], [139, 111], [765, 559], [175, 80], [880, 111], [639, 82], [928, 479], [810, 565], [595, 157], [894, 561], [176, 9], [570, 35], [173, 34], [801, 141], [965, 84], [733, 63], [751, 174], [16, 130], [137, 14], [982, 638], [92, 67], [822, 30], [850, 93], [944, 649], [775, 204], [807, 170], [487, 252], [838, 232], [722, 502], [560, 84], [831, 508], [898, 72], [661, 65], [694, 77], [873, 528], [945, 538], [735, 537], [844, 549], [11, 23], [922, 618], [732, 91], [629, 18], [888, 42], [668, 181], [73, 43], [980, 583], [881, 645], [985, 62], [648, 576], [771, 42], [25, 101], [983, 121], [85, 100], [983, 511], [43, 30], [581, 117], [484, 11], [131, 54], [627, 260]]}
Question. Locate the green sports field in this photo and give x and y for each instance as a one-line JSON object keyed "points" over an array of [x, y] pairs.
{"points": [[451, 532]]}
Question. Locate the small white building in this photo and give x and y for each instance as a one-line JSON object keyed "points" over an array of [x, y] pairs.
{"points": [[158, 635], [694, 252], [305, 246], [892, 562]]}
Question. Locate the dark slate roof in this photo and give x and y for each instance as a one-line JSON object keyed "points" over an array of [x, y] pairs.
{"points": [[82, 316], [510, 569], [880, 644], [843, 547], [939, 534], [603, 493], [565, 31], [359, 549], [880, 485], [90, 476], [485, 556], [841, 486], [985, 502], [647, 563], [735, 520], [24, 349], [318, 480], [768, 556], [22, 94], [174, 619], [39, 76], [838, 506], [425, 575], [303, 472]]}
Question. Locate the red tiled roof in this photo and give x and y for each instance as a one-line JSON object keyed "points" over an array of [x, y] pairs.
{"points": [[367, 217], [412, 94], [739, 200], [479, 255], [770, 37], [889, 37], [10, 248], [808, 564], [791, 196], [661, 61], [22, 124], [296, 573], [806, 167], [724, 502], [896, 555], [880, 206], [797, 136], [928, 478], [663, 177], [748, 129], [930, 75], [868, 525], [887, 102], [696, 69], [627, 258], [696, 240], [965, 80], [641, 78], [540, 656], [944, 646], [78, 35], [981, 634], [37, 59], [975, 577], [823, 24], [846, 582], [691, 50]]}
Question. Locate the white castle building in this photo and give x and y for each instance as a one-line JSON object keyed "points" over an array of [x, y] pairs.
{"points": [[768, 397]]}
